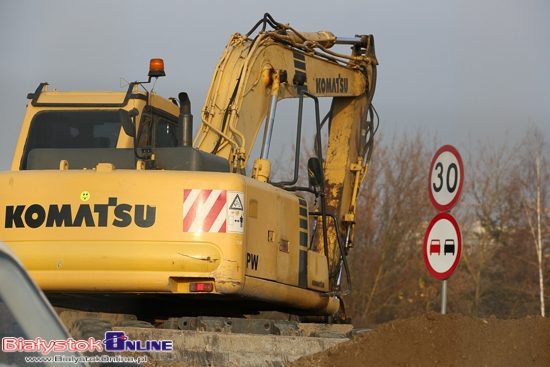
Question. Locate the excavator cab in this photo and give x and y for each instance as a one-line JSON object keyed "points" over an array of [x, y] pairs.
{"points": [[69, 128]]}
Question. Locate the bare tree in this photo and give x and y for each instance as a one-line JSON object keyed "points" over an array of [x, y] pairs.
{"points": [[488, 198], [533, 198], [392, 280]]}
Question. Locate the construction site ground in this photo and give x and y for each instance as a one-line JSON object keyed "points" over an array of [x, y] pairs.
{"points": [[443, 340], [428, 340]]}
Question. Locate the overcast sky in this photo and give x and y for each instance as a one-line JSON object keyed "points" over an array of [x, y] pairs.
{"points": [[464, 70]]}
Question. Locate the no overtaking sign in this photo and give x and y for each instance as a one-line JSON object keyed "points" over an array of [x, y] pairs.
{"points": [[442, 246]]}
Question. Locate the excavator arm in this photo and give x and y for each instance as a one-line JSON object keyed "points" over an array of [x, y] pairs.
{"points": [[274, 63], [254, 73]]}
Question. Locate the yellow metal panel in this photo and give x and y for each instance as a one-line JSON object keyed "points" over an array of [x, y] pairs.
{"points": [[262, 232], [288, 240], [272, 237], [134, 256], [161, 191], [82, 249], [317, 271], [290, 296]]}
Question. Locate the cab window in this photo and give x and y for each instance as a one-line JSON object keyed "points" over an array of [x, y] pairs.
{"points": [[72, 129], [157, 129]]}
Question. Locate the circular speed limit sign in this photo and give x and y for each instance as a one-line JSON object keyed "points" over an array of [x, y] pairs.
{"points": [[446, 178]]}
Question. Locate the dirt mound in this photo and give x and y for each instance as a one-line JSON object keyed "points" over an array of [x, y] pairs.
{"points": [[437, 340]]}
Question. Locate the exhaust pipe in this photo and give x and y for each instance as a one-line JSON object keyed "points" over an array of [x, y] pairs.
{"points": [[185, 121]]}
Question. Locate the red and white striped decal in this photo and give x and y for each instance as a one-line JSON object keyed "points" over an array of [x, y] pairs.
{"points": [[204, 210]]}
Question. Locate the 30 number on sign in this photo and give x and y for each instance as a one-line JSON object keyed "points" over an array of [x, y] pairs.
{"points": [[451, 177], [446, 178]]}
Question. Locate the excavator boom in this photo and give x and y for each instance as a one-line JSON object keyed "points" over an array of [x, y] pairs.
{"points": [[241, 91]]}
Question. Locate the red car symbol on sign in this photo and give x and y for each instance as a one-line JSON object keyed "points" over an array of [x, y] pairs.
{"points": [[435, 247]]}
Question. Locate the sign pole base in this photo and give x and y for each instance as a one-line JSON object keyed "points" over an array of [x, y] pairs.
{"points": [[444, 297]]}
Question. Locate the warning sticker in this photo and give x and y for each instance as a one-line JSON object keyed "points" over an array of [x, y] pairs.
{"points": [[235, 212], [237, 204], [204, 210]]}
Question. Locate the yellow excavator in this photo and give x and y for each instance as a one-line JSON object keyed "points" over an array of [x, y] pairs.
{"points": [[112, 205]]}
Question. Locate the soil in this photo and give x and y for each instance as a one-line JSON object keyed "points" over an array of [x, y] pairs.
{"points": [[443, 340]]}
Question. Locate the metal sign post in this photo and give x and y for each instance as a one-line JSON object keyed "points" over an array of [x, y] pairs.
{"points": [[444, 297], [443, 240]]}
